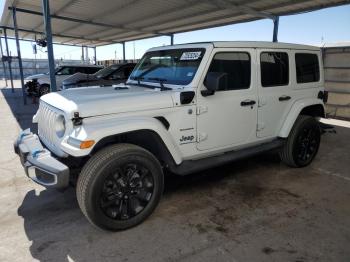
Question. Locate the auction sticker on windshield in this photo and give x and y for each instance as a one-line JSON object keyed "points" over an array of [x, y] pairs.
{"points": [[190, 55]]}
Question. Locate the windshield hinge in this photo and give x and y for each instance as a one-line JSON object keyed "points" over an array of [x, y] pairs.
{"points": [[202, 109], [77, 120]]}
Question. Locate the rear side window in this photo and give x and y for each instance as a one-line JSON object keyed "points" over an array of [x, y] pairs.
{"points": [[307, 68], [237, 67], [274, 69]]}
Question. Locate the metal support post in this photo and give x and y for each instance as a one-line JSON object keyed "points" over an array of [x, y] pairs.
{"points": [[172, 39], [9, 61], [19, 55], [3, 63], [95, 55], [48, 33], [123, 52], [82, 54], [275, 28]]}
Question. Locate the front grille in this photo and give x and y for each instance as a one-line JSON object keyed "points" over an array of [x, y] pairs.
{"points": [[46, 124]]}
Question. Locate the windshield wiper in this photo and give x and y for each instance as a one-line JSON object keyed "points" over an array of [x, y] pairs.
{"points": [[161, 82]]}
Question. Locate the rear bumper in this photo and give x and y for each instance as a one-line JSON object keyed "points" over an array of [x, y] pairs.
{"points": [[39, 165]]}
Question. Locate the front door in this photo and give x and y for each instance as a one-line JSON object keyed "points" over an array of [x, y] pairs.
{"points": [[228, 118]]}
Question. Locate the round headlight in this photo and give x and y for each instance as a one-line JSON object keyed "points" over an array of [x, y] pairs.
{"points": [[60, 126]]}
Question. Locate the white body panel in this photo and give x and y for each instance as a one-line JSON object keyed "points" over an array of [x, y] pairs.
{"points": [[207, 126], [222, 121]]}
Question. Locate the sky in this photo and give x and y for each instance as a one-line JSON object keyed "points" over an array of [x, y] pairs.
{"points": [[329, 25]]}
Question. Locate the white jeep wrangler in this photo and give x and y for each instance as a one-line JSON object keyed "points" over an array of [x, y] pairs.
{"points": [[185, 108]]}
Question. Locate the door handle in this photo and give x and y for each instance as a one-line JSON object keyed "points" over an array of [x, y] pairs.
{"points": [[284, 98], [248, 103]]}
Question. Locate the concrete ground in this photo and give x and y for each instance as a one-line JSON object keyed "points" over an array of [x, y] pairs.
{"points": [[253, 210]]}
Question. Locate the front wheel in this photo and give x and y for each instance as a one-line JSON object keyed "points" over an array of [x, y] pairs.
{"points": [[120, 186], [303, 142]]}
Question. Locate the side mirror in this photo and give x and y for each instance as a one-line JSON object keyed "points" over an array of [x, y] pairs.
{"points": [[213, 81]]}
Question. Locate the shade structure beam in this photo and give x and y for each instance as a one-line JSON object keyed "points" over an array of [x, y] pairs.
{"points": [[14, 16], [9, 59], [62, 35], [3, 62], [48, 34], [275, 29], [123, 44], [80, 21]]}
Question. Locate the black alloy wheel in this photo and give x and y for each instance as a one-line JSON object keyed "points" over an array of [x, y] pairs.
{"points": [[302, 143], [120, 186], [307, 144], [126, 191]]}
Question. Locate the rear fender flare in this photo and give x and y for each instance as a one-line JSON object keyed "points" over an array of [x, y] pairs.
{"points": [[293, 114]]}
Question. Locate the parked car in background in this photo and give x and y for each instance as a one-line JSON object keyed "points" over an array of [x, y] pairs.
{"points": [[39, 85], [111, 75]]}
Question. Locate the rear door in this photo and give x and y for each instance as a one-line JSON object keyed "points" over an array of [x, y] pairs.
{"points": [[274, 89], [228, 118]]}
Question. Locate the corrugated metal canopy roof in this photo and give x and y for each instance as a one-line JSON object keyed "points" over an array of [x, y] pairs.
{"points": [[100, 22]]}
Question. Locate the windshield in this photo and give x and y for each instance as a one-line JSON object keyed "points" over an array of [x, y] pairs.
{"points": [[57, 69], [106, 71], [177, 67]]}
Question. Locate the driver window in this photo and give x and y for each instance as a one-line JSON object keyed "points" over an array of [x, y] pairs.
{"points": [[236, 65]]}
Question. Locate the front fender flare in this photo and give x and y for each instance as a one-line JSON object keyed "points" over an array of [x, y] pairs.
{"points": [[97, 129], [297, 107]]}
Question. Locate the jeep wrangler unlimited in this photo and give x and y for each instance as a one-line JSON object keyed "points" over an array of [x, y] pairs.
{"points": [[185, 108]]}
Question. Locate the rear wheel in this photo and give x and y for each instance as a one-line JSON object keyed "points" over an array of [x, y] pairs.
{"points": [[303, 142], [120, 186]]}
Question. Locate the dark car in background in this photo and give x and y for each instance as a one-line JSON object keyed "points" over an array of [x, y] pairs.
{"points": [[111, 75]]}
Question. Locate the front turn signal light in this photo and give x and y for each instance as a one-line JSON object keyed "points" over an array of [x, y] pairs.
{"points": [[87, 144]]}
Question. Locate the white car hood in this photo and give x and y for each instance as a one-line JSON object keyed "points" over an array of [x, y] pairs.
{"points": [[93, 101]]}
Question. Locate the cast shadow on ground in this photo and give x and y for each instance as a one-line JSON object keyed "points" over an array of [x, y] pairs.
{"points": [[23, 113], [58, 229]]}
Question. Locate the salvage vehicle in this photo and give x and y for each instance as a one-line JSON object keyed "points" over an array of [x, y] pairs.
{"points": [[185, 108], [39, 85], [111, 75]]}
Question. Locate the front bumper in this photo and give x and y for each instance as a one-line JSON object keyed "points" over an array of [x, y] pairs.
{"points": [[38, 163]]}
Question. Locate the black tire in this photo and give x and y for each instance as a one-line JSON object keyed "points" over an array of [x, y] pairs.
{"points": [[302, 143], [44, 89], [120, 186]]}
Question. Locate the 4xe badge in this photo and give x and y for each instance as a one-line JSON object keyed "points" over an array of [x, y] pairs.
{"points": [[186, 139]]}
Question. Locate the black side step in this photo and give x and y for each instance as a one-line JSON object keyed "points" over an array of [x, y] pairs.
{"points": [[192, 166]]}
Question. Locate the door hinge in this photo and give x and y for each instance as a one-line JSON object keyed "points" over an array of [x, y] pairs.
{"points": [[261, 102], [201, 109], [202, 136], [260, 126]]}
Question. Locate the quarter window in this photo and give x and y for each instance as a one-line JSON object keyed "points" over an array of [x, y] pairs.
{"points": [[237, 67], [274, 69], [307, 68]]}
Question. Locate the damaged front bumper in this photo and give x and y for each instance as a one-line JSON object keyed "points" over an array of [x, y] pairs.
{"points": [[38, 163]]}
